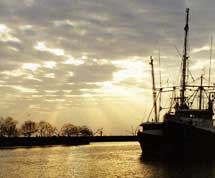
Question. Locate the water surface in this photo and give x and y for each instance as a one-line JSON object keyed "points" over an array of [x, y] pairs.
{"points": [[98, 160]]}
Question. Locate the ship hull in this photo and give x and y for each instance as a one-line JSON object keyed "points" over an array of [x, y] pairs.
{"points": [[177, 141]]}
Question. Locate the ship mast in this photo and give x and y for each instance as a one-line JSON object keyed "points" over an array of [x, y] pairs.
{"points": [[200, 93], [154, 93], [184, 63]]}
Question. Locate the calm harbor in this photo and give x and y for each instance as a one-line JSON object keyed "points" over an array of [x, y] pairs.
{"points": [[106, 160]]}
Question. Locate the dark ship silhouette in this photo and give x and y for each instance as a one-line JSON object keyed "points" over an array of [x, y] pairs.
{"points": [[187, 130]]}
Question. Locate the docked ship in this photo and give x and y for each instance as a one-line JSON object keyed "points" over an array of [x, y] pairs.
{"points": [[186, 130]]}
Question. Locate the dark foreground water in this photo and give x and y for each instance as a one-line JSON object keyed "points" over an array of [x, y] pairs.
{"points": [[98, 160]]}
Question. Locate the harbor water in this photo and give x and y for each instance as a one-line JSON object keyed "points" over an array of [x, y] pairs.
{"points": [[97, 160]]}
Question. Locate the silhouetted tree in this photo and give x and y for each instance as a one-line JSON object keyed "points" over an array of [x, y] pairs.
{"points": [[85, 131], [8, 127], [28, 128], [2, 127], [45, 129], [69, 130]]}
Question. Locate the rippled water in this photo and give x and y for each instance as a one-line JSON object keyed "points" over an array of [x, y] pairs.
{"points": [[98, 160]]}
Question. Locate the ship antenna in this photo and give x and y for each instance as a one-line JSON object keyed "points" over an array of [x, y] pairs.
{"points": [[159, 60], [154, 93], [211, 53], [200, 93], [184, 62]]}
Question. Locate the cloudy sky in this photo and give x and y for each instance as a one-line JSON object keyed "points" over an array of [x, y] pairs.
{"points": [[86, 62]]}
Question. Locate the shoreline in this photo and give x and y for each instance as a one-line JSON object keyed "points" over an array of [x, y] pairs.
{"points": [[19, 142]]}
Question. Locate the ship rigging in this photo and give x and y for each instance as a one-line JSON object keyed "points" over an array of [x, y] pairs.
{"points": [[187, 127], [199, 92]]}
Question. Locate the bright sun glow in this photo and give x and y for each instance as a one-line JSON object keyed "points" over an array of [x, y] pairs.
{"points": [[49, 64], [5, 34], [203, 48], [130, 69], [49, 75], [13, 73], [22, 89], [111, 89], [30, 66], [41, 46], [72, 61]]}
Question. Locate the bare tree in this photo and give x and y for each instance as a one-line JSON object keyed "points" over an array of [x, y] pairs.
{"points": [[45, 129], [2, 127], [28, 128], [69, 130], [85, 131], [8, 127]]}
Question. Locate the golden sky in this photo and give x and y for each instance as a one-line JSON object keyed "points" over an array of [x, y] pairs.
{"points": [[87, 62]]}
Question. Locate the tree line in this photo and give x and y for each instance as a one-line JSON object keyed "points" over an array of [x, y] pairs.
{"points": [[9, 128]]}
